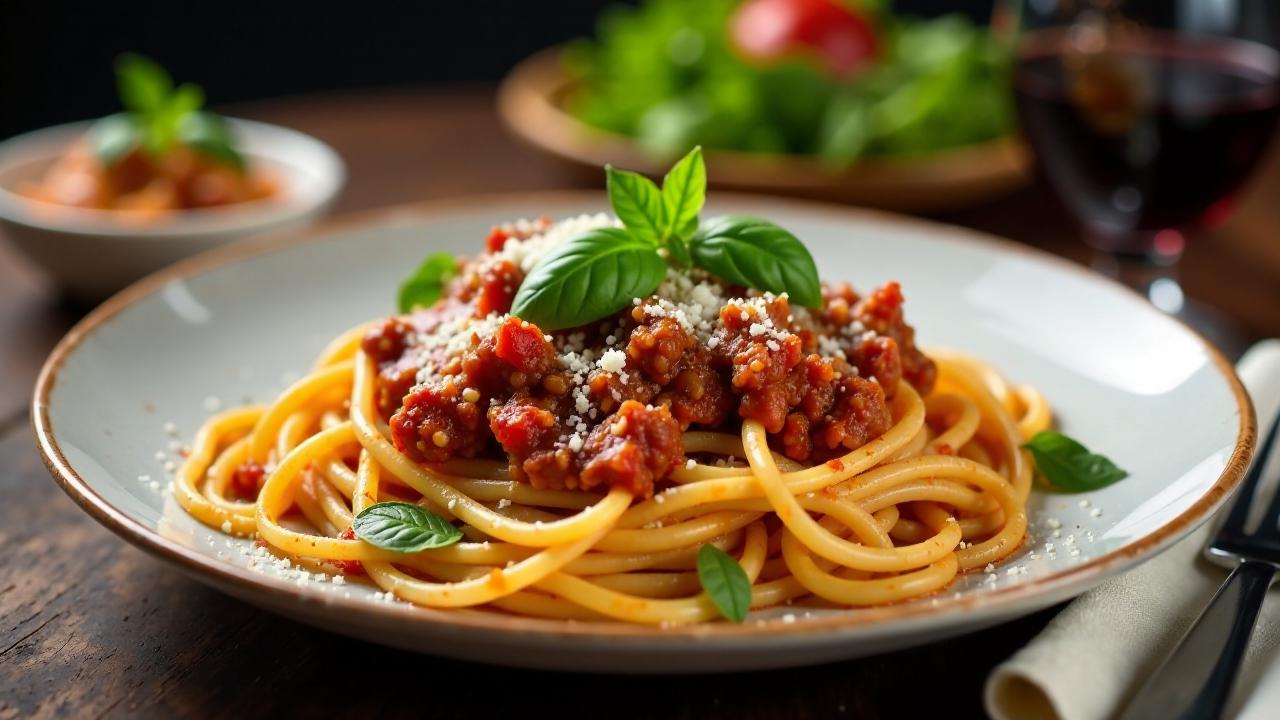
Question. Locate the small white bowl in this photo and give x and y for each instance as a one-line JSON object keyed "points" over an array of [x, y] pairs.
{"points": [[92, 253]]}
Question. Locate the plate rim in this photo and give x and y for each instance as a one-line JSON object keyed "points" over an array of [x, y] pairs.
{"points": [[990, 602]]}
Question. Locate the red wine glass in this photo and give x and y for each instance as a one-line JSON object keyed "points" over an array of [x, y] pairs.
{"points": [[1147, 118]]}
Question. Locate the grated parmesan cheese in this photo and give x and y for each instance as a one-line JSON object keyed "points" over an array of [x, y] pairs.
{"points": [[612, 361], [526, 253]]}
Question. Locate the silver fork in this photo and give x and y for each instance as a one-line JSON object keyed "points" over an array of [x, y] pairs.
{"points": [[1195, 681]]}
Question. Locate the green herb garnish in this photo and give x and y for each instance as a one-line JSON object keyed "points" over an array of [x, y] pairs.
{"points": [[112, 138], [1068, 465], [638, 203], [684, 190], [725, 582], [589, 277], [599, 273], [403, 528], [755, 253], [208, 133], [425, 286], [159, 116]]}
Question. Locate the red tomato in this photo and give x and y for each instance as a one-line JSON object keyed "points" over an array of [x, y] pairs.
{"points": [[522, 346], [498, 285], [522, 429], [497, 240], [843, 39]]}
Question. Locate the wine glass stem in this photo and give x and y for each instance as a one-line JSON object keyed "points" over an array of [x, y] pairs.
{"points": [[1149, 266]]}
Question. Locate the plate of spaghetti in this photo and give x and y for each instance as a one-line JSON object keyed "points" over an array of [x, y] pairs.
{"points": [[641, 434]]}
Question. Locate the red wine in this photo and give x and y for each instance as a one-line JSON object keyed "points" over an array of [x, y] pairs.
{"points": [[1147, 136]]}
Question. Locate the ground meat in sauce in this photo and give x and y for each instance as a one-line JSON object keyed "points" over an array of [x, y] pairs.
{"points": [[582, 427], [387, 343], [638, 446], [891, 356]]}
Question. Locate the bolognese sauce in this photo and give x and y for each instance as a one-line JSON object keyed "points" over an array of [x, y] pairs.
{"points": [[605, 405]]}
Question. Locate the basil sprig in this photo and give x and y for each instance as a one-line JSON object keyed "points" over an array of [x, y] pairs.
{"points": [[725, 582], [404, 528], [1068, 465], [158, 116], [601, 272], [426, 285]]}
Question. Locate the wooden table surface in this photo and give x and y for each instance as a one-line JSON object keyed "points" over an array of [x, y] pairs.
{"points": [[90, 626]]}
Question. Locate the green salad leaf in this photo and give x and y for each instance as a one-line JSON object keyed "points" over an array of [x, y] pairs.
{"points": [[665, 73]]}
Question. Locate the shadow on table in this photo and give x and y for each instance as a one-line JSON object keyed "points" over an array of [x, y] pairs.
{"points": [[209, 655]]}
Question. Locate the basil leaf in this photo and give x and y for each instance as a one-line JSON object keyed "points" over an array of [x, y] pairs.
{"points": [[208, 134], [758, 254], [725, 581], [112, 138], [679, 251], [1068, 465], [403, 528], [587, 278], [684, 190], [184, 102], [165, 123], [425, 286], [637, 202], [143, 85]]}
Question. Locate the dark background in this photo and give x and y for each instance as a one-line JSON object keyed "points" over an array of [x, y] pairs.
{"points": [[55, 55]]}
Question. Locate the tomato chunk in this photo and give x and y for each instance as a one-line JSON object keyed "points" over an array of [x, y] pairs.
{"points": [[522, 346], [521, 429], [497, 240], [841, 38], [498, 285]]}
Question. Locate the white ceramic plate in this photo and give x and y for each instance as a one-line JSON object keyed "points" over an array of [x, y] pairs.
{"points": [[236, 324]]}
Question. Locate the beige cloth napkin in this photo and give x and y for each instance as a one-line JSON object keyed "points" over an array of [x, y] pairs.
{"points": [[1098, 651]]}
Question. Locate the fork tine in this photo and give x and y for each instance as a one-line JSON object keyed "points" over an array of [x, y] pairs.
{"points": [[1270, 527], [1239, 515]]}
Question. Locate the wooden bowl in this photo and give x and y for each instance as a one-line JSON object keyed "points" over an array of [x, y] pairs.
{"points": [[531, 103]]}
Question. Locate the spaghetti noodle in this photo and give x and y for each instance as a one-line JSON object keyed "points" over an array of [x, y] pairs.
{"points": [[936, 488]]}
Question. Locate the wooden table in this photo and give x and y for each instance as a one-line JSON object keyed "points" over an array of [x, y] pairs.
{"points": [[90, 626]]}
